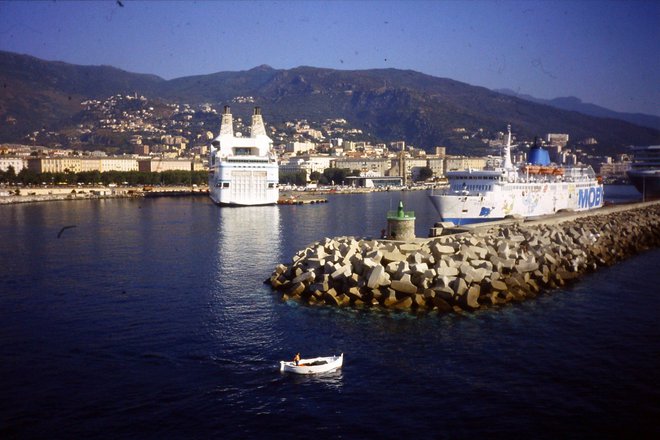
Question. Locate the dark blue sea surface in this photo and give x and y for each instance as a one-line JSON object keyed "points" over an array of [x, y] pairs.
{"points": [[150, 319]]}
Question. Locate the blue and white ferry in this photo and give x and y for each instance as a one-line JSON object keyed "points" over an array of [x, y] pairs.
{"points": [[534, 189]]}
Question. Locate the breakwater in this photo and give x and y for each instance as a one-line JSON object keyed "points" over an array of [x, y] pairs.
{"points": [[487, 266]]}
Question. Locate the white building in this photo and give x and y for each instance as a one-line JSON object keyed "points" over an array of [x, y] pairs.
{"points": [[307, 164], [364, 164], [557, 139], [18, 163], [300, 147], [437, 165]]}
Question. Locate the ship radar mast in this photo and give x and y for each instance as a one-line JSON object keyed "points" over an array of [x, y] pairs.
{"points": [[506, 153]]}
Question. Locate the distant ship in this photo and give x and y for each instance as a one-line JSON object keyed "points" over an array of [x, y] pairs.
{"points": [[243, 171], [644, 171], [534, 189]]}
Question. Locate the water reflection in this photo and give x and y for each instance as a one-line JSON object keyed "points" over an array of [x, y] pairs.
{"points": [[247, 243], [248, 238], [333, 380]]}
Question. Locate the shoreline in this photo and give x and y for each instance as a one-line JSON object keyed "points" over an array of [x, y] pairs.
{"points": [[55, 194], [61, 193]]}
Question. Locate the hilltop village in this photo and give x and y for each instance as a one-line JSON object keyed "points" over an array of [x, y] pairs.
{"points": [[129, 133]]}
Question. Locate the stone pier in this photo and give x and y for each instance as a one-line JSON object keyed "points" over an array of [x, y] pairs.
{"points": [[487, 265]]}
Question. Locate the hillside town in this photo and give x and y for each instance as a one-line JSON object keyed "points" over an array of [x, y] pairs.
{"points": [[127, 133]]}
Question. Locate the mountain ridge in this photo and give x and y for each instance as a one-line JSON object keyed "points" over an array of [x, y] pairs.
{"points": [[573, 103], [387, 104]]}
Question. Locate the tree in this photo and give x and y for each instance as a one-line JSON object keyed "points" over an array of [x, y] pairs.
{"points": [[425, 173], [27, 176], [8, 176], [335, 176], [298, 178]]}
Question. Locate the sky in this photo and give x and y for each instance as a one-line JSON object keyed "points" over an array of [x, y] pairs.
{"points": [[603, 52]]}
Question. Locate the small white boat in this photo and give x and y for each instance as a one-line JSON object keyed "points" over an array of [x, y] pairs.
{"points": [[313, 365]]}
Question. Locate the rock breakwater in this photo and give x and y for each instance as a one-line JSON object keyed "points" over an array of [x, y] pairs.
{"points": [[489, 266]]}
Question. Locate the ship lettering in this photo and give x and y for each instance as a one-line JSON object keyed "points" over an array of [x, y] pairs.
{"points": [[590, 197]]}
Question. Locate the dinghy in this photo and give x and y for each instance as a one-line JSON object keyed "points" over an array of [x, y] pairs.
{"points": [[313, 365]]}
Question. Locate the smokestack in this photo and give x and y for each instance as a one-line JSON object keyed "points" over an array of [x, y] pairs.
{"points": [[227, 124], [258, 128]]}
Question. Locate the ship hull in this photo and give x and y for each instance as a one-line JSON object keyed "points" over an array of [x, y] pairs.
{"points": [[517, 200], [244, 185], [647, 183]]}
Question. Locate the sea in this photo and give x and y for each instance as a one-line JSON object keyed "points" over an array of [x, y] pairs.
{"points": [[150, 319]]}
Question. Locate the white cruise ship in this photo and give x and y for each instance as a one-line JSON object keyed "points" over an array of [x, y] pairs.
{"points": [[534, 189], [243, 171]]}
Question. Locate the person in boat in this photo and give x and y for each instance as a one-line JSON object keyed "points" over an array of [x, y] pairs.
{"points": [[296, 359]]}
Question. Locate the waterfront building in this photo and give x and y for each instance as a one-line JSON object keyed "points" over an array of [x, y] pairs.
{"points": [[458, 163], [77, 164], [17, 163], [407, 167], [158, 165], [62, 164], [364, 164], [436, 164], [307, 164], [614, 170], [300, 147], [110, 163]]}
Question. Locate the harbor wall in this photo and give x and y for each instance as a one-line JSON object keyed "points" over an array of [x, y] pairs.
{"points": [[488, 265]]}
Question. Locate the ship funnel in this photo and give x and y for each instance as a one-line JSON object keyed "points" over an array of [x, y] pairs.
{"points": [[227, 125], [258, 128]]}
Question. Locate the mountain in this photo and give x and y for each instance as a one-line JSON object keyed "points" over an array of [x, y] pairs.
{"points": [[387, 104], [38, 93], [572, 103]]}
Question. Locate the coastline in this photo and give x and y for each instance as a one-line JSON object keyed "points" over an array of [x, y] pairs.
{"points": [[70, 192], [54, 194]]}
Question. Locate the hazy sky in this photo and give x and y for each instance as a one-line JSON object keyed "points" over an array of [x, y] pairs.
{"points": [[604, 52]]}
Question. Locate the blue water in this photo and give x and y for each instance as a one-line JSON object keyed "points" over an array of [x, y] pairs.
{"points": [[150, 319]]}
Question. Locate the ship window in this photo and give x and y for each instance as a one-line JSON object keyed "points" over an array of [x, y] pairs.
{"points": [[271, 185], [225, 184]]}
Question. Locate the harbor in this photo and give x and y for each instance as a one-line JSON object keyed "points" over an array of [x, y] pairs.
{"points": [[154, 310]]}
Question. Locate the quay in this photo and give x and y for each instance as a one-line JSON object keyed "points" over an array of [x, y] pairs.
{"points": [[468, 268], [71, 192], [300, 199]]}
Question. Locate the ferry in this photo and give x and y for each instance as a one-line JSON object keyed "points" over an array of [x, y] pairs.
{"points": [[509, 191], [644, 171], [243, 171]]}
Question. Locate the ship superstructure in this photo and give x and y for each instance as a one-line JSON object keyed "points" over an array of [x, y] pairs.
{"points": [[534, 189], [243, 170]]}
